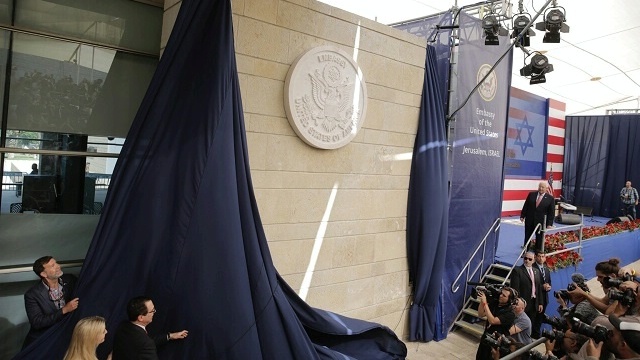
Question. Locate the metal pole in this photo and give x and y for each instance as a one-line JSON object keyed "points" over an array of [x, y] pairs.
{"points": [[524, 349]]}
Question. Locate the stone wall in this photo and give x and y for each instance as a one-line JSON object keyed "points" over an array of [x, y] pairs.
{"points": [[361, 265]]}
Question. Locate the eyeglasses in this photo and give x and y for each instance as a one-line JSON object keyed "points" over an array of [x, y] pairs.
{"points": [[153, 311], [528, 259]]}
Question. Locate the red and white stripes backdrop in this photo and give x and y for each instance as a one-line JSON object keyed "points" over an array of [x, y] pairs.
{"points": [[516, 190]]}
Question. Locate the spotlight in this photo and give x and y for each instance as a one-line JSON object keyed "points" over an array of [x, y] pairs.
{"points": [[553, 25], [536, 69], [492, 29], [519, 23]]}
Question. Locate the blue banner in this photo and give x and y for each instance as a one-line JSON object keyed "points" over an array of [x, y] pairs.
{"points": [[477, 156]]}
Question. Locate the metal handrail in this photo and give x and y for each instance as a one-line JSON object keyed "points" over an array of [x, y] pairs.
{"points": [[455, 288], [13, 269]]}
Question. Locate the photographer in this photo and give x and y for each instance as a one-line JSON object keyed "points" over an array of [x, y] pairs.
{"points": [[626, 299], [604, 269], [500, 318], [562, 344], [582, 308], [521, 329], [622, 340]]}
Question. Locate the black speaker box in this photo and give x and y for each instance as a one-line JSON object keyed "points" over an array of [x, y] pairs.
{"points": [[568, 219], [584, 210], [618, 219]]}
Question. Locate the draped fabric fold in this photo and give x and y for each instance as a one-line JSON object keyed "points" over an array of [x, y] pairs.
{"points": [[427, 209], [181, 225]]}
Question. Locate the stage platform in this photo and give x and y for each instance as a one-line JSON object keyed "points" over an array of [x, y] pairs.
{"points": [[624, 245]]}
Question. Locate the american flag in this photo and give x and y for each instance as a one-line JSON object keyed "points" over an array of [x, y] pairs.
{"points": [[550, 181]]}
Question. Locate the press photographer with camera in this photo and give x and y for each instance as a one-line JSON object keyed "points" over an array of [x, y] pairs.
{"points": [[499, 315], [582, 308], [622, 338], [625, 296], [604, 269]]}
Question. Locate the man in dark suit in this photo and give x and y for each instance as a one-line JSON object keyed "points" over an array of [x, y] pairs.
{"points": [[526, 280], [48, 301], [132, 341], [545, 279], [536, 206]]}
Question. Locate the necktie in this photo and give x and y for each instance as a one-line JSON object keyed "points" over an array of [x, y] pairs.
{"points": [[541, 271], [538, 200], [533, 283]]}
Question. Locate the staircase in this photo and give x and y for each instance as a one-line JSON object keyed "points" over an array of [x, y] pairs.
{"points": [[468, 319]]}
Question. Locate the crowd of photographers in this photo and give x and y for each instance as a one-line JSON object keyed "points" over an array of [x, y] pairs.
{"points": [[588, 327]]}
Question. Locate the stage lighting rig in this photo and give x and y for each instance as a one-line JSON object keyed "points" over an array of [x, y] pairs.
{"points": [[520, 21], [554, 24], [536, 69], [492, 29]]}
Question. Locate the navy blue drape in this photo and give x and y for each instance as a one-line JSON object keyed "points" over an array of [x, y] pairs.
{"points": [[601, 154], [181, 225], [427, 209]]}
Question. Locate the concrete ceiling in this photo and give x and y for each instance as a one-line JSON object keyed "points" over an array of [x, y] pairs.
{"points": [[596, 64]]}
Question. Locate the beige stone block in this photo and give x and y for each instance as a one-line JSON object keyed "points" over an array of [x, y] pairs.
{"points": [[237, 6], [291, 257], [413, 54], [265, 10], [170, 3], [413, 79], [263, 96], [266, 124], [246, 64], [388, 138], [298, 18], [341, 32], [400, 118], [284, 231], [294, 280], [303, 3], [390, 245], [345, 15], [375, 114], [271, 69], [256, 146], [262, 40], [300, 43], [243, 81], [293, 205], [390, 286], [168, 21], [375, 91], [331, 297]]}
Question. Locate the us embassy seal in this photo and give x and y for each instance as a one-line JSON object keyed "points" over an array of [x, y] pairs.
{"points": [[489, 86], [325, 97]]}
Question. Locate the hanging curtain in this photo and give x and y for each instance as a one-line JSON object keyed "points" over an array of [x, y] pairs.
{"points": [[181, 225]]}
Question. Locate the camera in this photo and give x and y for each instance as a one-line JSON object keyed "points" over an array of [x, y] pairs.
{"points": [[555, 322], [491, 291], [536, 355], [626, 298], [598, 333], [553, 334], [561, 294], [499, 342]]}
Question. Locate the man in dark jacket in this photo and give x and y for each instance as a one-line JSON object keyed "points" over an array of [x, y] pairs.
{"points": [[132, 341], [545, 279], [538, 205], [48, 301], [526, 280]]}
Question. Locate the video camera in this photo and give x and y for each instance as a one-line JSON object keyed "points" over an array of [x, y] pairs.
{"points": [[556, 322], [499, 342], [552, 335], [564, 294], [598, 333], [491, 291], [536, 355], [626, 298], [616, 282]]}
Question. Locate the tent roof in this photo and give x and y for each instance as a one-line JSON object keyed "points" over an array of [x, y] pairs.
{"points": [[596, 64]]}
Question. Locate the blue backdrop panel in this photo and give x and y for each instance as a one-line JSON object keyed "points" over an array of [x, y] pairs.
{"points": [[476, 181], [181, 225]]}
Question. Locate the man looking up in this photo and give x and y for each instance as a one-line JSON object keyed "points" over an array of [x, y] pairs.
{"points": [[536, 206], [50, 299], [132, 341], [500, 318]]}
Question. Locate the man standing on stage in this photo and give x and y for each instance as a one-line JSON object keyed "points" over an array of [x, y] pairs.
{"points": [[629, 197], [538, 205]]}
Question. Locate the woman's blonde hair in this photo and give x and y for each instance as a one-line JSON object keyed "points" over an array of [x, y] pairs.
{"points": [[84, 340]]}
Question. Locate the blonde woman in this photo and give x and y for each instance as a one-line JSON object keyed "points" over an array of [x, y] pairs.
{"points": [[87, 335]]}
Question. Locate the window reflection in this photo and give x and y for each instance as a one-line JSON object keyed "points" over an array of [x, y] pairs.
{"points": [[37, 183]]}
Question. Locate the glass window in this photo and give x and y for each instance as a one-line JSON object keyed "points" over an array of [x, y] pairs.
{"points": [[66, 87], [55, 184], [121, 23], [5, 12]]}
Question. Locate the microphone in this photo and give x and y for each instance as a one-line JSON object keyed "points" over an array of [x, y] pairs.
{"points": [[578, 278]]}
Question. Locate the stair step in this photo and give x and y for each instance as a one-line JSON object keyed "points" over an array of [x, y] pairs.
{"points": [[501, 267], [497, 278], [473, 313], [476, 329]]}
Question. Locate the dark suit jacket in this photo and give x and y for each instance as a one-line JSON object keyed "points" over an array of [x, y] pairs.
{"points": [[41, 310], [133, 343], [521, 281], [533, 214], [546, 279]]}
